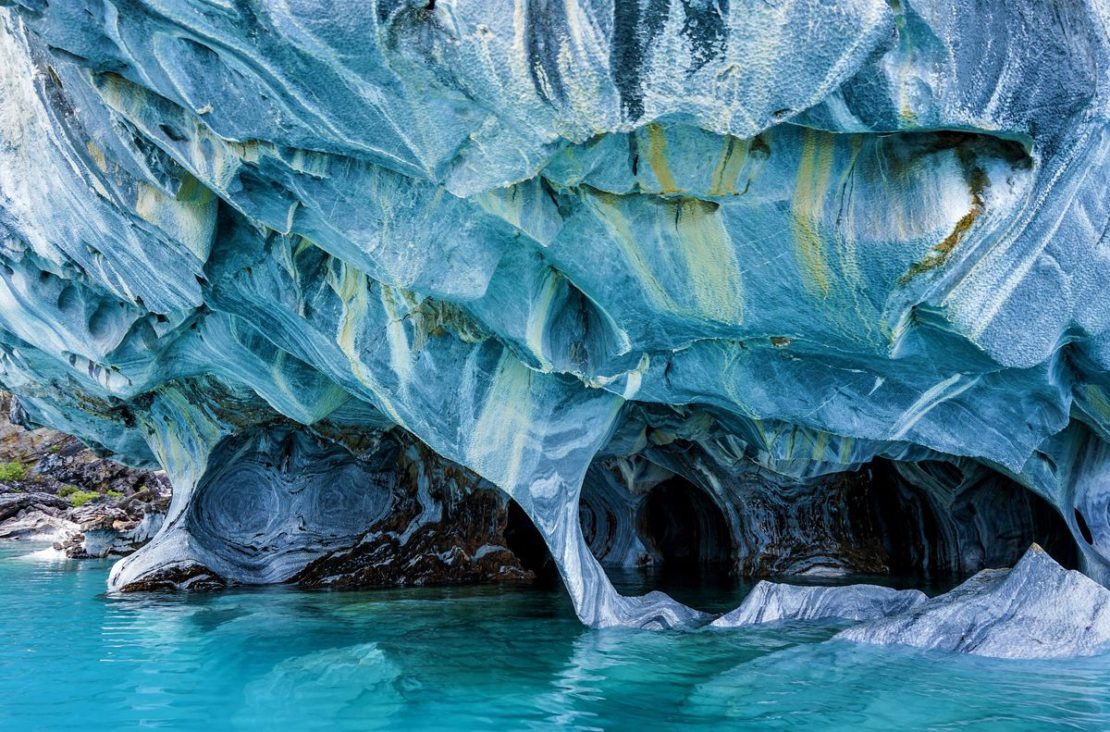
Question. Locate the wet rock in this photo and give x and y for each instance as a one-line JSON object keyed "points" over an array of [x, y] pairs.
{"points": [[288, 506], [178, 576], [61, 491], [804, 236], [771, 602], [1038, 609], [104, 531]]}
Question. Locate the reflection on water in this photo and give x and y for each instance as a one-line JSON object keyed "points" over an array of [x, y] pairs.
{"points": [[476, 658]]}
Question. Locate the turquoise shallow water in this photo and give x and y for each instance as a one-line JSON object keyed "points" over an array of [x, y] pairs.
{"points": [[277, 659]]}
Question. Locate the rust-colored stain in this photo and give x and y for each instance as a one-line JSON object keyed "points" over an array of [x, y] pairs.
{"points": [[937, 257]]}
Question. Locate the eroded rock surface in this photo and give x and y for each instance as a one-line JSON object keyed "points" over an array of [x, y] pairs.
{"points": [[771, 602], [285, 505], [837, 270], [1038, 609]]}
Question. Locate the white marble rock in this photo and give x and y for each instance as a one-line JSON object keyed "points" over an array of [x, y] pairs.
{"points": [[771, 602], [1038, 609]]}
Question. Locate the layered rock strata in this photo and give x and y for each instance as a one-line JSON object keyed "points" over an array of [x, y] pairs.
{"points": [[579, 249]]}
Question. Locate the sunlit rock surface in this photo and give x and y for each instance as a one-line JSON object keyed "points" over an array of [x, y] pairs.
{"points": [[748, 246], [771, 602], [1038, 609], [54, 489]]}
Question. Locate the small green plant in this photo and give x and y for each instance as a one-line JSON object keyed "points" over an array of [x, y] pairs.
{"points": [[114, 494], [80, 498], [68, 490], [12, 471]]}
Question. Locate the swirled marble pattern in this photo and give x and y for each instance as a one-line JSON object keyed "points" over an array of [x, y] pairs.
{"points": [[800, 236], [284, 505]]}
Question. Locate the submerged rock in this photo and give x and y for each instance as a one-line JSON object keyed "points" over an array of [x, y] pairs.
{"points": [[773, 287], [770, 602], [1038, 609]]}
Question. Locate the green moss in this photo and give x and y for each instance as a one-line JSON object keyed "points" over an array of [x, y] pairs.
{"points": [[12, 471], [80, 498], [114, 494]]}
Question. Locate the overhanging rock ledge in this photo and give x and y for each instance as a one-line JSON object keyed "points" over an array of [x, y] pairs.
{"points": [[791, 280]]}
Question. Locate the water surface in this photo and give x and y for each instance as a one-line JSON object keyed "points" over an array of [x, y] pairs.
{"points": [[476, 658]]}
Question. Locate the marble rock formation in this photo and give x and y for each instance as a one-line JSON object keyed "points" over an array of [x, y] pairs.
{"points": [[771, 602], [791, 287], [1038, 609]]}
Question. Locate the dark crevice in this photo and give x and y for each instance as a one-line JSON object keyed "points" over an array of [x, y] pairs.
{"points": [[929, 525], [1084, 529], [524, 540], [988, 523], [684, 527], [693, 548]]}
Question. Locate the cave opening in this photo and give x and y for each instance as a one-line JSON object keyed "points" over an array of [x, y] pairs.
{"points": [[684, 527], [524, 540], [940, 524], [927, 524], [653, 524], [689, 544]]}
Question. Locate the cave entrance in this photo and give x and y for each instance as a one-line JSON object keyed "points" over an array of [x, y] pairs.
{"points": [[940, 525], [524, 540], [690, 543], [684, 527]]}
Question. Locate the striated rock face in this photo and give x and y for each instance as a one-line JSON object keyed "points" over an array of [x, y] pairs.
{"points": [[282, 505], [775, 287], [1035, 610], [771, 602]]}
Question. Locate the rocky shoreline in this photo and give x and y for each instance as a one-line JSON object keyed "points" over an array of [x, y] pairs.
{"points": [[54, 488]]}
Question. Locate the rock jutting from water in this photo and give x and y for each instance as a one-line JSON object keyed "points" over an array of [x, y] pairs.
{"points": [[1038, 609], [772, 602], [778, 288]]}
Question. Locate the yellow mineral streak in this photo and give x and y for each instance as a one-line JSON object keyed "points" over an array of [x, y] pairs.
{"points": [[695, 232], [657, 159], [733, 157], [500, 435], [814, 171], [97, 154], [820, 445], [400, 351], [538, 315], [938, 256], [1096, 399], [711, 266], [606, 207], [350, 285]]}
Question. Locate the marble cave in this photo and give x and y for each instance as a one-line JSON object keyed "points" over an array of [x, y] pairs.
{"points": [[446, 292]]}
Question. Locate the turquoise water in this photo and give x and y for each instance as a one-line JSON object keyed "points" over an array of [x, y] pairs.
{"points": [[278, 659]]}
